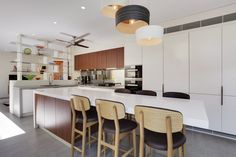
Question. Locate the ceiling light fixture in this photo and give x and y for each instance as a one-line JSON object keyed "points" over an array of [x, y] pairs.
{"points": [[131, 17], [55, 22], [110, 7], [149, 35], [83, 7]]}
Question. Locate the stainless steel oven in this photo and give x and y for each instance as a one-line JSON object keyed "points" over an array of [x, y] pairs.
{"points": [[133, 71], [133, 78]]}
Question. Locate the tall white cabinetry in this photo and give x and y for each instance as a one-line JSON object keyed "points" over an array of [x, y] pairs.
{"points": [[133, 52], [229, 78], [176, 62], [153, 68], [205, 71]]}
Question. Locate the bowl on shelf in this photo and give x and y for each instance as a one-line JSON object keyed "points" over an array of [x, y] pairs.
{"points": [[27, 51]]}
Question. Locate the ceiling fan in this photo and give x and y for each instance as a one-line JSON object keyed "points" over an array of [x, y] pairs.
{"points": [[75, 41]]}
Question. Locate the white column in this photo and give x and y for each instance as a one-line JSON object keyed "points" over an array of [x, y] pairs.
{"points": [[45, 61], [19, 57]]}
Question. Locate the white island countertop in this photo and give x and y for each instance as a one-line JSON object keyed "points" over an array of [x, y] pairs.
{"points": [[194, 112]]}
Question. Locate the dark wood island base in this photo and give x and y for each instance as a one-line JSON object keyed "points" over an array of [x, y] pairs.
{"points": [[54, 115]]}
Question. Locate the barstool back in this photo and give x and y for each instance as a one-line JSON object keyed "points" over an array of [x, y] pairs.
{"points": [[155, 119], [80, 103], [110, 110]]}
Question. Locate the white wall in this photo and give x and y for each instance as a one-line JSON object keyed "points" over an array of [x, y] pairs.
{"points": [[5, 68]]}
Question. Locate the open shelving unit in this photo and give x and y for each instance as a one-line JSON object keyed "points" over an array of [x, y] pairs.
{"points": [[42, 59]]}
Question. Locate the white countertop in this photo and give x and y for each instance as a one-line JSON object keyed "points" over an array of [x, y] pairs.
{"points": [[194, 112]]}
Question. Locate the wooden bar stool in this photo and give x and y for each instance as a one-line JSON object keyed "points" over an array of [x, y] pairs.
{"points": [[111, 118], [160, 129], [83, 118]]}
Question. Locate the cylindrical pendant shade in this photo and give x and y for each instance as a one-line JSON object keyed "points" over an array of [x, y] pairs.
{"points": [[149, 35], [110, 7], [131, 17]]}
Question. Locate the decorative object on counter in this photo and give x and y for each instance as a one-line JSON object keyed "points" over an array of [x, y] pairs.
{"points": [[132, 17], [39, 47], [14, 68], [110, 7], [27, 51], [30, 76], [149, 35]]}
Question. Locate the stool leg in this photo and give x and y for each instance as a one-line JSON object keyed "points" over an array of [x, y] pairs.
{"points": [[184, 147], [117, 142], [180, 151], [134, 142], [72, 139], [99, 141], [84, 142], [89, 137], [104, 139]]}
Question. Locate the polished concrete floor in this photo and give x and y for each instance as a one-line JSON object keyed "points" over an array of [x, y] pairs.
{"points": [[37, 143]]}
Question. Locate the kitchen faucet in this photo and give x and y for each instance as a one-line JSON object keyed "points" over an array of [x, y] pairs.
{"points": [[50, 79]]}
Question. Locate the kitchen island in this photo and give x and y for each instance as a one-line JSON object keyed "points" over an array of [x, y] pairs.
{"points": [[52, 107]]}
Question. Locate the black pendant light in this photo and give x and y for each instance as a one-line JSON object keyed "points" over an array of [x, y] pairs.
{"points": [[131, 17]]}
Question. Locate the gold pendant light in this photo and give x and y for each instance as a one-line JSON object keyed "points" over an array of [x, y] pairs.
{"points": [[110, 7]]}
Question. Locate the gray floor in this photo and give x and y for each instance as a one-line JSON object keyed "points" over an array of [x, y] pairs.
{"points": [[37, 143]]}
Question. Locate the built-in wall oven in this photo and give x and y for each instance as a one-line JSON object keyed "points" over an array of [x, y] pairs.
{"points": [[133, 78]]}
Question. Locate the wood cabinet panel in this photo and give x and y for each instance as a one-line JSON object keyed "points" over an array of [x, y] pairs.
{"points": [[49, 114], [101, 60], [39, 108], [54, 115], [120, 57], [113, 58], [63, 119]]}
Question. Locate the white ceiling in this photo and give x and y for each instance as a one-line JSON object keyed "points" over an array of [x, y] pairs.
{"points": [[37, 17]]}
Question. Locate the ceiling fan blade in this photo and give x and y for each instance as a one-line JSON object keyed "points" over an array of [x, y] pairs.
{"points": [[69, 45], [62, 41], [82, 36], [82, 46], [88, 40], [68, 34], [79, 41]]}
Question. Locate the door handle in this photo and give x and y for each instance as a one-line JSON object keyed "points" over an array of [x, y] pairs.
{"points": [[222, 96]]}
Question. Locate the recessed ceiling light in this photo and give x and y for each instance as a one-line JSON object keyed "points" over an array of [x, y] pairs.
{"points": [[55, 22], [83, 7]]}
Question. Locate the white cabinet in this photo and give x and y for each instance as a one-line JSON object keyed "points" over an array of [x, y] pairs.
{"points": [[229, 59], [213, 108], [229, 115], [153, 68], [176, 62], [133, 52], [229, 78], [205, 60], [27, 102]]}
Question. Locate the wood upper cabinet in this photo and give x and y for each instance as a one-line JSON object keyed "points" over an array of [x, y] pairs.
{"points": [[113, 58], [101, 60], [120, 58]]}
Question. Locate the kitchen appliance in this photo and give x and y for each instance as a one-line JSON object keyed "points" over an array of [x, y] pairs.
{"points": [[133, 78]]}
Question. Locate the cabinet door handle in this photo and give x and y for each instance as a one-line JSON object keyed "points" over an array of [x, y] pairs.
{"points": [[163, 88], [222, 96]]}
